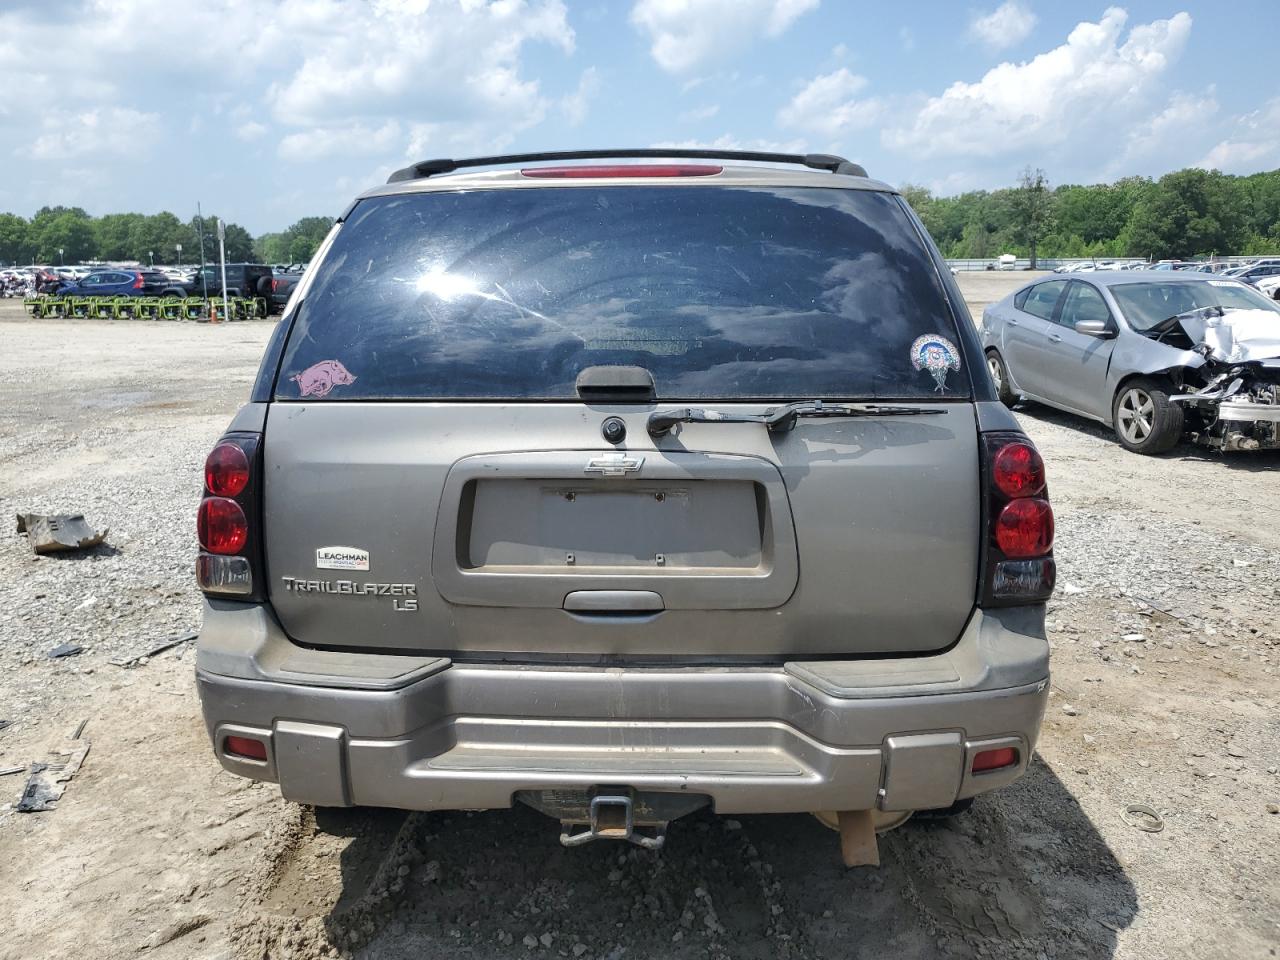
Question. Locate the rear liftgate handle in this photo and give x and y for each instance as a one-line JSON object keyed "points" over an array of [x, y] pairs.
{"points": [[614, 601]]}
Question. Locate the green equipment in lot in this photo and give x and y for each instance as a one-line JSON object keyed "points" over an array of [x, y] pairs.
{"points": [[145, 308], [171, 308]]}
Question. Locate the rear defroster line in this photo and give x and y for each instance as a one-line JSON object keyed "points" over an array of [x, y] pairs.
{"points": [[777, 419]]}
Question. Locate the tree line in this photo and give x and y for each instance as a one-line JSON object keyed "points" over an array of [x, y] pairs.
{"points": [[70, 235], [1185, 214]]}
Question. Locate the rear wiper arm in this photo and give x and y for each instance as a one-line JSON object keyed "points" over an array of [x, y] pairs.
{"points": [[778, 419]]}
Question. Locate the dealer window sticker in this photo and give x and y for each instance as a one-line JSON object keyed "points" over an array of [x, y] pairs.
{"points": [[342, 558]]}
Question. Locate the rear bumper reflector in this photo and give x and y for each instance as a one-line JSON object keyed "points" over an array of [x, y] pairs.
{"points": [[994, 759], [245, 748]]}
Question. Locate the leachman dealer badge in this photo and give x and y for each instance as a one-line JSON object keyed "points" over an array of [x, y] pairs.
{"points": [[936, 354]]}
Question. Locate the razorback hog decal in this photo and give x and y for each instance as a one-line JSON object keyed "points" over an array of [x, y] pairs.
{"points": [[319, 378]]}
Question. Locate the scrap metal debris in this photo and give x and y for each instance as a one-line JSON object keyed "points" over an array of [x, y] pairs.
{"points": [[154, 651], [58, 533], [65, 650], [48, 781], [1143, 817], [5, 723], [8, 771]]}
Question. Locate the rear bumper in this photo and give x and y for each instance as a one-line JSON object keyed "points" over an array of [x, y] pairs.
{"points": [[357, 729]]}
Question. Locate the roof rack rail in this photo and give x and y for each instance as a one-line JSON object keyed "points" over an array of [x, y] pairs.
{"points": [[816, 161]]}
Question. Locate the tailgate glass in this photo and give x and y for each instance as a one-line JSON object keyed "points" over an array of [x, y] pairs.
{"points": [[720, 292]]}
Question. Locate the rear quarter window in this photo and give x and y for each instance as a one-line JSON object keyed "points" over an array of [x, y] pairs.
{"points": [[720, 292], [1043, 298]]}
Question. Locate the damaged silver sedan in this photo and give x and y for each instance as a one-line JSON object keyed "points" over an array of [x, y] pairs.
{"points": [[1154, 355]]}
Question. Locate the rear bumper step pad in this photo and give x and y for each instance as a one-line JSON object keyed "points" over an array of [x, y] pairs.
{"points": [[897, 753]]}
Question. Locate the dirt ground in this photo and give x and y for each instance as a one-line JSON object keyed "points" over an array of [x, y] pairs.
{"points": [[1165, 642]]}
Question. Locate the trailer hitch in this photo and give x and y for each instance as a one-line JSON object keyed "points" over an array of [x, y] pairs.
{"points": [[612, 817]]}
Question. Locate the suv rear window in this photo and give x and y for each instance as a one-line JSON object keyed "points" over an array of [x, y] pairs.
{"points": [[720, 292]]}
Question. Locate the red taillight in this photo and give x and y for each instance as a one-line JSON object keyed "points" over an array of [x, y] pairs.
{"points": [[623, 170], [228, 521], [222, 525], [1018, 567], [995, 759], [1025, 528], [226, 471], [275, 285], [137, 281], [1017, 470], [245, 748]]}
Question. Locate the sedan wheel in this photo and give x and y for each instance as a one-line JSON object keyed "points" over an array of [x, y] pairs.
{"points": [[1000, 377], [996, 370], [1145, 420], [1137, 414]]}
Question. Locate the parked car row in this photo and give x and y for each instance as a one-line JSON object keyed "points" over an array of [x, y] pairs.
{"points": [[1269, 286], [1255, 272], [1090, 266], [273, 284], [243, 280], [1248, 271], [1157, 355]]}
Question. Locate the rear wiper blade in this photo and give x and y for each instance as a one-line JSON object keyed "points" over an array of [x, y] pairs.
{"points": [[778, 419]]}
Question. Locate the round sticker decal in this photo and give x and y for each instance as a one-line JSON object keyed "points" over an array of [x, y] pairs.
{"points": [[936, 354]]}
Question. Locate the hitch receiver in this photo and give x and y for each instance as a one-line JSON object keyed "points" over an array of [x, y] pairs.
{"points": [[612, 818]]}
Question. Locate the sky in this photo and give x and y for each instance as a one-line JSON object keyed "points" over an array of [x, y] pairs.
{"points": [[270, 110]]}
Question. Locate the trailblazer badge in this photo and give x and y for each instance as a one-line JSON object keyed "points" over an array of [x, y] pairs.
{"points": [[936, 354]]}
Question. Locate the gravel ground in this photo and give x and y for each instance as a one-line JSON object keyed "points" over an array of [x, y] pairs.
{"points": [[1165, 642]]}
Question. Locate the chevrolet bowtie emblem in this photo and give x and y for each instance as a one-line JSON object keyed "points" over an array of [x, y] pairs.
{"points": [[614, 465]]}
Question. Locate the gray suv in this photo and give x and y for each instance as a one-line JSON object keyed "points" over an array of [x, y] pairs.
{"points": [[621, 490]]}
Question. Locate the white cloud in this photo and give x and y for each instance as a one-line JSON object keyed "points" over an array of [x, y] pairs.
{"points": [[729, 142], [398, 57], [430, 140], [1079, 94], [1255, 145], [119, 42], [1241, 156], [828, 106], [698, 114], [907, 38], [330, 71], [248, 132], [576, 104], [687, 33], [1169, 135], [113, 130], [1005, 26], [347, 141], [451, 71]]}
